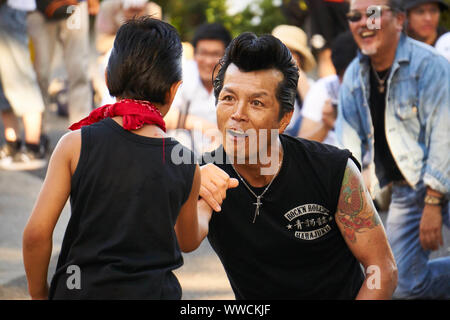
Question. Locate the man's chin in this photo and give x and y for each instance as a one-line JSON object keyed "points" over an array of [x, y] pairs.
{"points": [[369, 51]]}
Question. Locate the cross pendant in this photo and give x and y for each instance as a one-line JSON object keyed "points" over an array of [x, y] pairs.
{"points": [[258, 204]]}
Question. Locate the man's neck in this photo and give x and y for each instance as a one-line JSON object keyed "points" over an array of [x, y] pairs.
{"points": [[254, 173], [382, 62], [384, 59]]}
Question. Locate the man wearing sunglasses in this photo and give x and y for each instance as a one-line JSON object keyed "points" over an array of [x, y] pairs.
{"points": [[395, 107]]}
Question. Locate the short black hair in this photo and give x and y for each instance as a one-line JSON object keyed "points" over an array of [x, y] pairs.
{"points": [[145, 60], [343, 51], [252, 53], [211, 31]]}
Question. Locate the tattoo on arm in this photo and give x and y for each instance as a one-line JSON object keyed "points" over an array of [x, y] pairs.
{"points": [[354, 212]]}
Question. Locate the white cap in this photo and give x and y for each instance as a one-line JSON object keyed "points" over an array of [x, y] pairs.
{"points": [[443, 45], [127, 4]]}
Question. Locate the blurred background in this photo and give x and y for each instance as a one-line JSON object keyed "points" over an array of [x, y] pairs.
{"points": [[202, 277]]}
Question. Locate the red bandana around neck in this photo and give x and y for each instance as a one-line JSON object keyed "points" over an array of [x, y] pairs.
{"points": [[135, 114]]}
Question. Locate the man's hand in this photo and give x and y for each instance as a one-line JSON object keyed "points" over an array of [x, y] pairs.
{"points": [[431, 227], [329, 114], [214, 185]]}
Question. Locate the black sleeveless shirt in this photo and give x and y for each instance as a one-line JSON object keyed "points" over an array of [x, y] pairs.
{"points": [[294, 250], [126, 194]]}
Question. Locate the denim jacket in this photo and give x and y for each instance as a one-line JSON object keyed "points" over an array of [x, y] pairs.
{"points": [[417, 116]]}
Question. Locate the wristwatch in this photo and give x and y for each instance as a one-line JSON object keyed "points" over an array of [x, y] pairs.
{"points": [[435, 201]]}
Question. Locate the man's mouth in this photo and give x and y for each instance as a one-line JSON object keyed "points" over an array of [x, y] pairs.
{"points": [[237, 134], [367, 34]]}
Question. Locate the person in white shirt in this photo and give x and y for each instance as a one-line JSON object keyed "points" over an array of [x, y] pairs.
{"points": [[193, 112], [443, 45], [320, 105]]}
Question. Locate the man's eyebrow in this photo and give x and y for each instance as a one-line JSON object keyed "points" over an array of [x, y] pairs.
{"points": [[253, 95], [228, 90], [259, 94]]}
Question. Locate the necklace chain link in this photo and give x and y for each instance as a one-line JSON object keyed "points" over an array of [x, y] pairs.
{"points": [[381, 82], [258, 202]]}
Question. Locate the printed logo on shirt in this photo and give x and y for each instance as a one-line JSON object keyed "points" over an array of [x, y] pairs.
{"points": [[309, 221]]}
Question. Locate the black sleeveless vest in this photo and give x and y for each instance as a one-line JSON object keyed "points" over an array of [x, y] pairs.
{"points": [[294, 250], [125, 197]]}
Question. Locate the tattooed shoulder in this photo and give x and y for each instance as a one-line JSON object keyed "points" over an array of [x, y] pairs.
{"points": [[356, 212]]}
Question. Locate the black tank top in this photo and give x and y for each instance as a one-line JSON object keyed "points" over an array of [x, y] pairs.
{"points": [[294, 250], [126, 194]]}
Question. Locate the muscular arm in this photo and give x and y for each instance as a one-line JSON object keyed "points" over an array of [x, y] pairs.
{"points": [[364, 234]]}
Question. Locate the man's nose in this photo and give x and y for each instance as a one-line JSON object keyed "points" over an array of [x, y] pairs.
{"points": [[240, 111], [363, 22]]}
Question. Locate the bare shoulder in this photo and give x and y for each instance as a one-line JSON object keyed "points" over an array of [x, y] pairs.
{"points": [[69, 140], [356, 213], [69, 148]]}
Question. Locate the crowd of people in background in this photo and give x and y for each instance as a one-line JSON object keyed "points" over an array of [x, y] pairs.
{"points": [[317, 41], [378, 93]]}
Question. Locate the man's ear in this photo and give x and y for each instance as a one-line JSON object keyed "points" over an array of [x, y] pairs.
{"points": [[106, 78], [285, 120], [401, 21], [170, 95]]}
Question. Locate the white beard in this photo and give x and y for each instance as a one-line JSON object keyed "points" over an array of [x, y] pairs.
{"points": [[369, 51]]}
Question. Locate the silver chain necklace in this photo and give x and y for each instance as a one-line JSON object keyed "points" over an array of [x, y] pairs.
{"points": [[258, 202], [381, 82]]}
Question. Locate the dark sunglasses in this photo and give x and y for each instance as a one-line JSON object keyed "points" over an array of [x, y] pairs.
{"points": [[355, 16]]}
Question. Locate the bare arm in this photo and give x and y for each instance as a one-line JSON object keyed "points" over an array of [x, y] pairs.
{"points": [[313, 130], [38, 233], [192, 223], [318, 131], [364, 234]]}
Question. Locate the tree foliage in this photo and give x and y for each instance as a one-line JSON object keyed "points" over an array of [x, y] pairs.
{"points": [[261, 16], [445, 18]]}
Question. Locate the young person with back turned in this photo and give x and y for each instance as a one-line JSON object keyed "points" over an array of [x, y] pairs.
{"points": [[130, 202]]}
